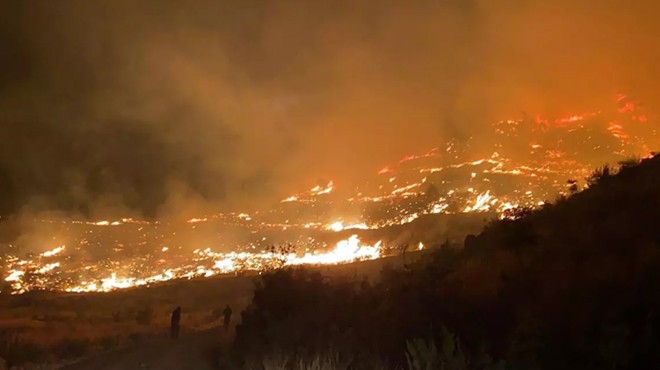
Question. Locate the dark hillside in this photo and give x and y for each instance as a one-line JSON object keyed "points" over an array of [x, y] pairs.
{"points": [[572, 285]]}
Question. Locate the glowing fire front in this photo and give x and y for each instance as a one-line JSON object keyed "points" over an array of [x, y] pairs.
{"points": [[348, 250], [26, 275]]}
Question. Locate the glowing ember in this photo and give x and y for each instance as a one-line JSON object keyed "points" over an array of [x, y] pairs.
{"points": [[244, 216]]}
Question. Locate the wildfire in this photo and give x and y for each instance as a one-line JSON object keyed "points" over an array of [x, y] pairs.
{"points": [[528, 163], [482, 203], [617, 131], [53, 252], [311, 194], [431, 153], [339, 226], [320, 190], [203, 263], [48, 267], [345, 251], [384, 170]]}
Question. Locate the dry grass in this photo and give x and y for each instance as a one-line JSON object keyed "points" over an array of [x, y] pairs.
{"points": [[56, 322], [101, 321]]}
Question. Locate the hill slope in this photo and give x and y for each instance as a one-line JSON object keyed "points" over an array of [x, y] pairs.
{"points": [[191, 351], [571, 285]]}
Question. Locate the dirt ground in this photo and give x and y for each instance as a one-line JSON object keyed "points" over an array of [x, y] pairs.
{"points": [[196, 350]]}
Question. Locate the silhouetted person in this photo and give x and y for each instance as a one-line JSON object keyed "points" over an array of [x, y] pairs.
{"points": [[176, 320], [227, 314]]}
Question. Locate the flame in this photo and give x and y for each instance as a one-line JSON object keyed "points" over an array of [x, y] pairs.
{"points": [[482, 203], [336, 226], [311, 194], [345, 251], [528, 162], [208, 263], [339, 226], [53, 252], [245, 217], [431, 153], [439, 208], [384, 170], [617, 130], [14, 275], [48, 267], [320, 190]]}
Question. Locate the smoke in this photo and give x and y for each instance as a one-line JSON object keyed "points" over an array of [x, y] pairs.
{"points": [[164, 107]]}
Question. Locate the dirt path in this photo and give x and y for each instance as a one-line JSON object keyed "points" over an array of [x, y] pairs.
{"points": [[191, 351]]}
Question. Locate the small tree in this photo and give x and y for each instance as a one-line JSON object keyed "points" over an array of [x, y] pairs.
{"points": [[600, 175], [572, 186], [629, 162]]}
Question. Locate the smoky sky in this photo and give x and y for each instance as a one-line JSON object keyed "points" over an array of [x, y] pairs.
{"points": [[110, 107]]}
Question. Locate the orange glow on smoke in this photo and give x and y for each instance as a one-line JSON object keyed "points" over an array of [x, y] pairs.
{"points": [[525, 164]]}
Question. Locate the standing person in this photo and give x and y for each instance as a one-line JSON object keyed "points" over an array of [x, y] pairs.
{"points": [[227, 314], [176, 320]]}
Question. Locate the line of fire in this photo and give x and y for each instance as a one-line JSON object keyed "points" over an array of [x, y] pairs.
{"points": [[444, 192]]}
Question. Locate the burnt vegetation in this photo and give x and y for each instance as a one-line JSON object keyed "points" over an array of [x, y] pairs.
{"points": [[572, 285]]}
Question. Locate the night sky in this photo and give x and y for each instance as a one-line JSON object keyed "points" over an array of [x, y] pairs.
{"points": [[127, 107]]}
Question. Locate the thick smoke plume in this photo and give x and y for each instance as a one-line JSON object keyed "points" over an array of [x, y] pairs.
{"points": [[162, 107]]}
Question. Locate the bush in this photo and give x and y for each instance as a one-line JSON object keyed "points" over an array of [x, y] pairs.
{"points": [[600, 175]]}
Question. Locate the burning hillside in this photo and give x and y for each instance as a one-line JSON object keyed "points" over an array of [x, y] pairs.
{"points": [[527, 162]]}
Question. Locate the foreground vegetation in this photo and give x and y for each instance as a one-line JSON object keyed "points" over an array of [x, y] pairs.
{"points": [[572, 286], [55, 328]]}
